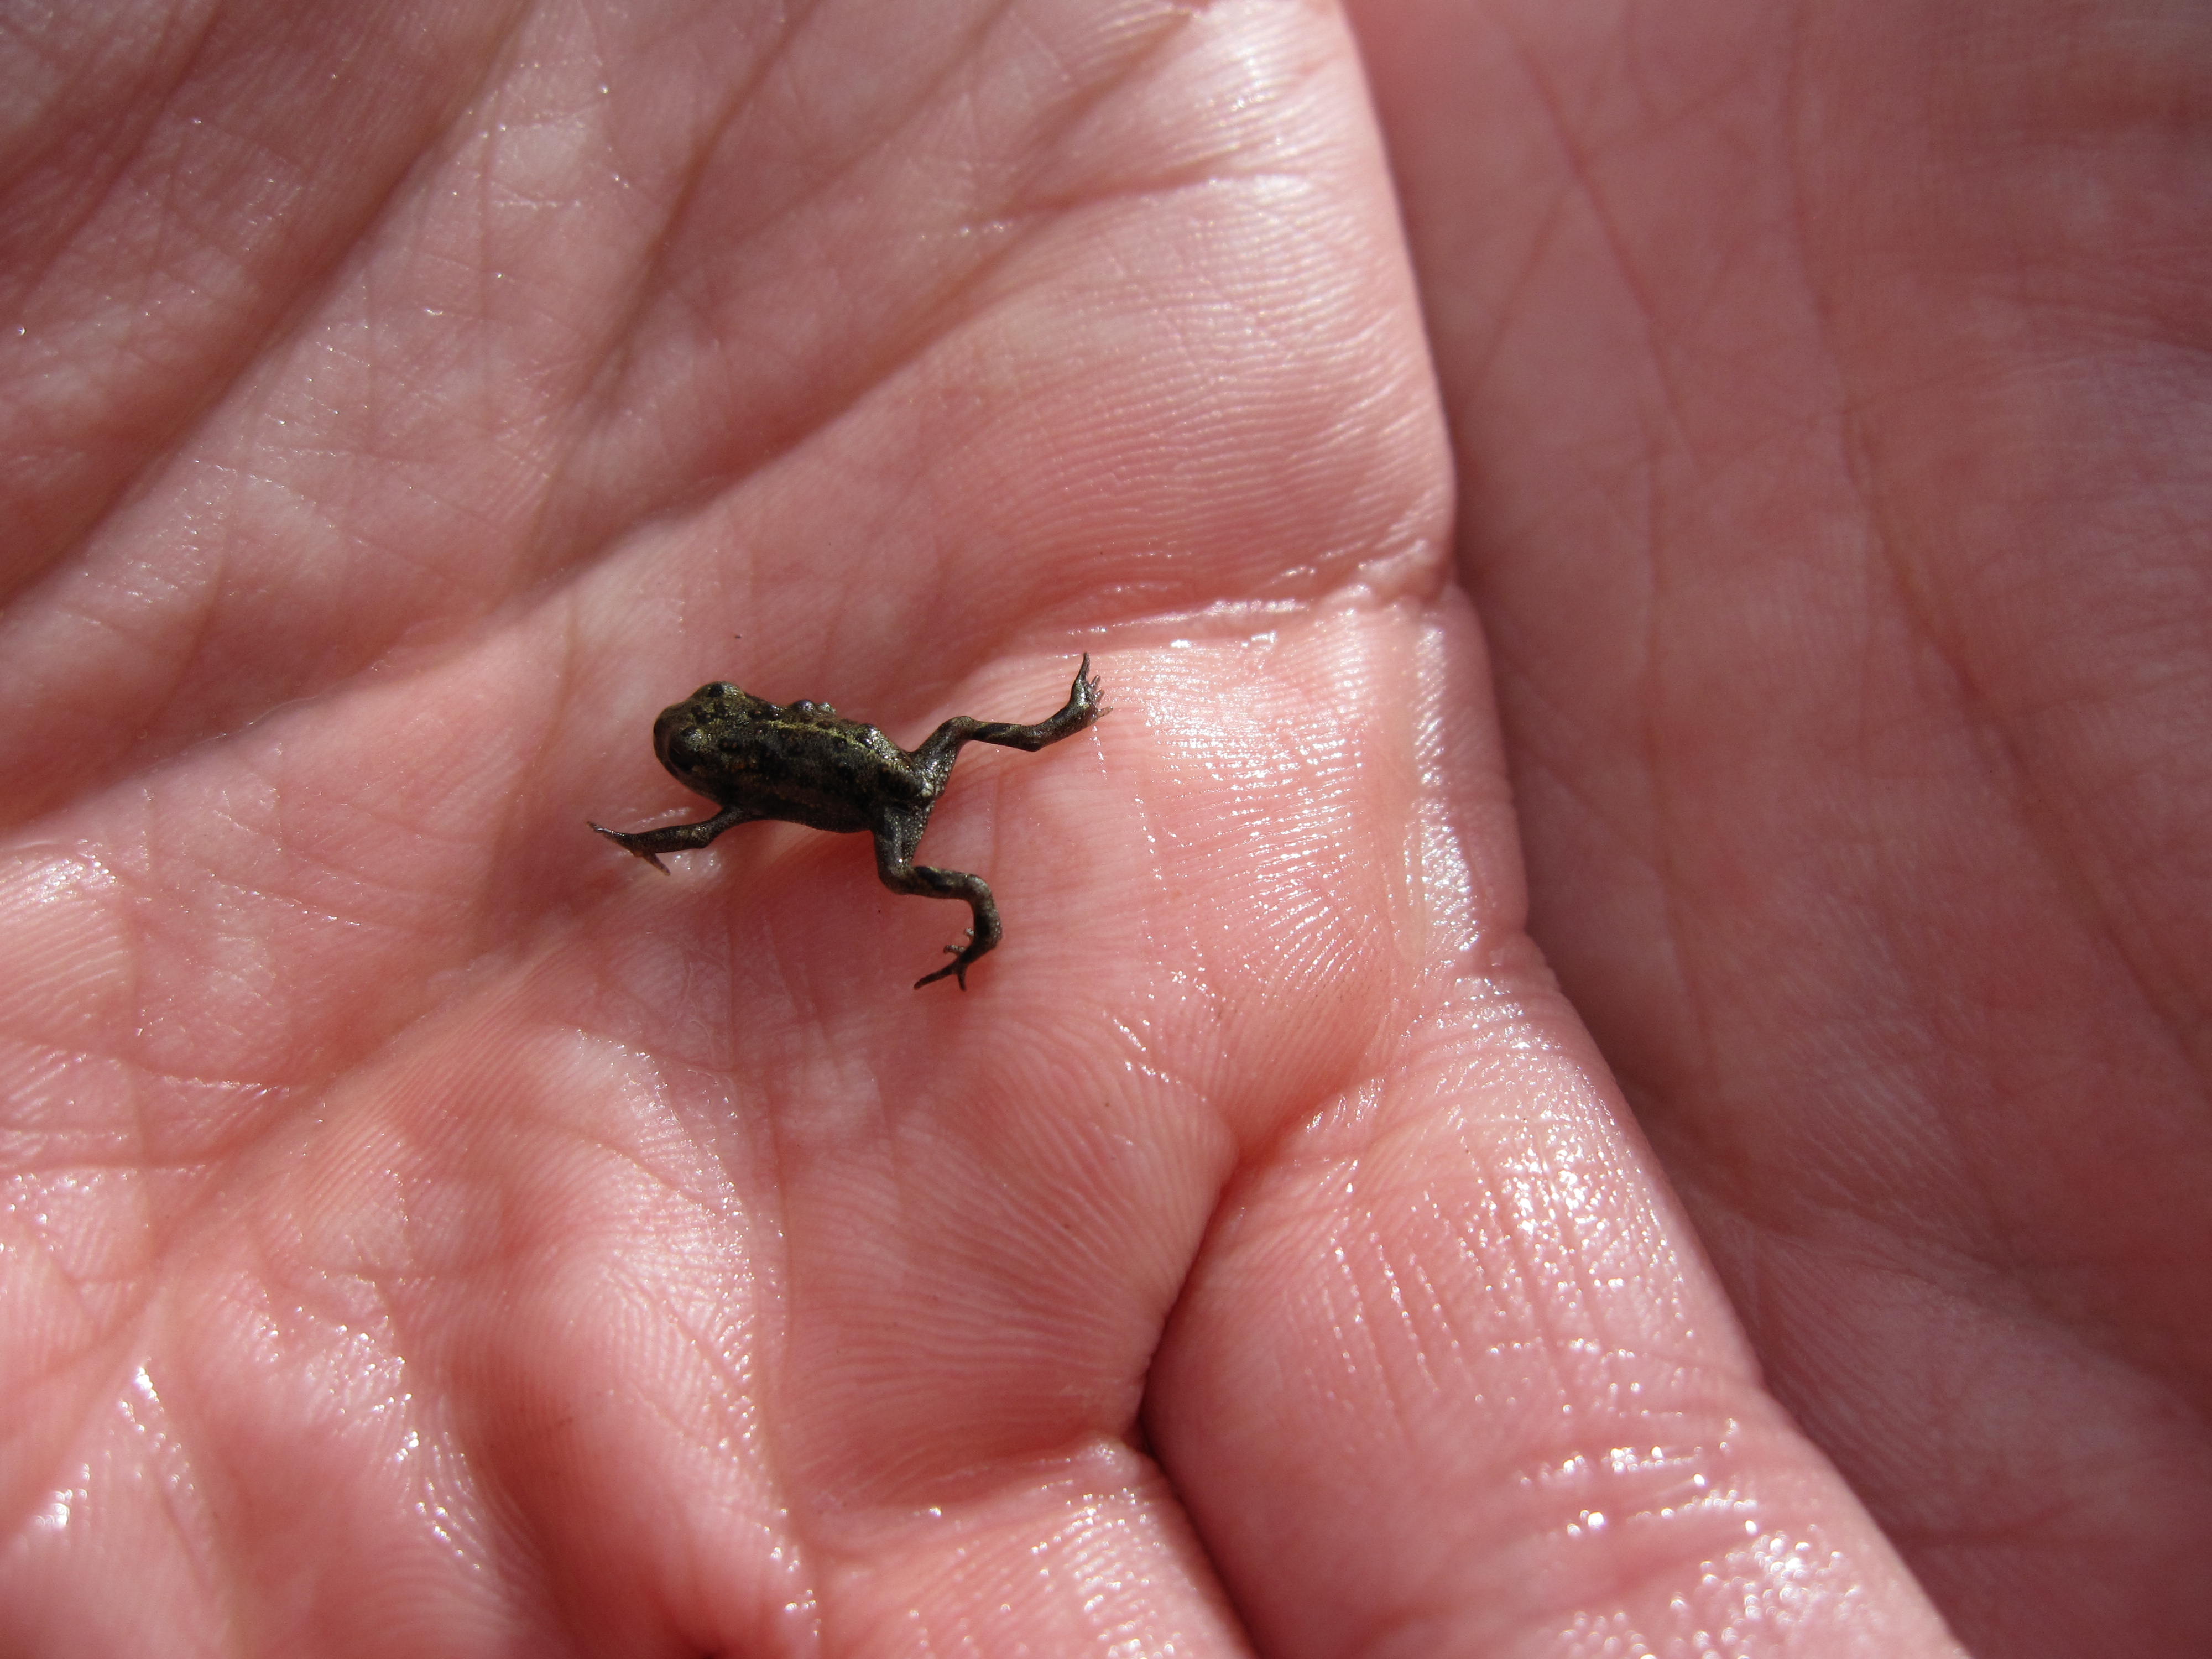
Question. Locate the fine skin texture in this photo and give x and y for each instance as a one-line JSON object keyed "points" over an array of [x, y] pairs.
{"points": [[805, 765], [424, 1238], [1830, 391]]}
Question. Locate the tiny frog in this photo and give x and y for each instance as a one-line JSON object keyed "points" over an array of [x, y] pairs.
{"points": [[804, 764]]}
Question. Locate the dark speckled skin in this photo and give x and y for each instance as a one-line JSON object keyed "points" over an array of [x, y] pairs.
{"points": [[804, 764]]}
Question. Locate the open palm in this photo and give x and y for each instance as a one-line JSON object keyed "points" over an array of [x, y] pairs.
{"points": [[431, 1231], [1829, 390]]}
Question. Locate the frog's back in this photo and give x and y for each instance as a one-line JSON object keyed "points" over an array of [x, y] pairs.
{"points": [[800, 762], [835, 775]]}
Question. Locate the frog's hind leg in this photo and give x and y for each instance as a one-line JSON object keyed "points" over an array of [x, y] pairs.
{"points": [[935, 757], [650, 844], [897, 835]]}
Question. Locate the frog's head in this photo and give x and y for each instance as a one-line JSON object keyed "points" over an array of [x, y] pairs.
{"points": [[688, 731]]}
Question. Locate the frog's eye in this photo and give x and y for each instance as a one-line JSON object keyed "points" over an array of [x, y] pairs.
{"points": [[719, 692]]}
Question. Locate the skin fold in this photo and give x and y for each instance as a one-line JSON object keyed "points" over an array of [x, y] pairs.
{"points": [[1828, 390], [1603, 1056]]}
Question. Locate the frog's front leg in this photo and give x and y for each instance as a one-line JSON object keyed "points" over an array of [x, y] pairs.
{"points": [[935, 757], [650, 844], [898, 832]]}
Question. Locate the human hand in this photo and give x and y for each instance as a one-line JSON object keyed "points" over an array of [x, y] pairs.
{"points": [[432, 1231], [1831, 417]]}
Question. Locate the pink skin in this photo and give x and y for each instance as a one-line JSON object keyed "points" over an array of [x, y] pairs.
{"points": [[1829, 392], [429, 1233]]}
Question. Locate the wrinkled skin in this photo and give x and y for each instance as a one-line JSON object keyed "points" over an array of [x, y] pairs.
{"points": [[426, 1235]]}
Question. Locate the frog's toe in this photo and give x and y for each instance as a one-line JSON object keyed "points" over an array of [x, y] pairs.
{"points": [[629, 843], [958, 967]]}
